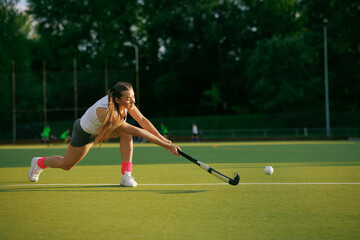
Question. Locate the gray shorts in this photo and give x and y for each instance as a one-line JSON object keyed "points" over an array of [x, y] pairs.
{"points": [[79, 137]]}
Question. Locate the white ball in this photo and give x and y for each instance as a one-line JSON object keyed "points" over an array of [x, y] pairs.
{"points": [[268, 170]]}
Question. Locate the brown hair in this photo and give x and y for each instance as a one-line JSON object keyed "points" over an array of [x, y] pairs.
{"points": [[113, 115]]}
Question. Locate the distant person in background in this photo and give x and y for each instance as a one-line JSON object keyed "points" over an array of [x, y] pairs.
{"points": [[45, 135], [195, 133], [65, 136], [103, 120], [164, 131]]}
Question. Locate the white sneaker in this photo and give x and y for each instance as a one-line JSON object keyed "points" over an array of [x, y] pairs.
{"points": [[127, 180], [35, 170]]}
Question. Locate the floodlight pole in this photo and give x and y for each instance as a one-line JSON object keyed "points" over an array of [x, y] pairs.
{"points": [[14, 101], [44, 93], [106, 76], [326, 81], [129, 44], [75, 90]]}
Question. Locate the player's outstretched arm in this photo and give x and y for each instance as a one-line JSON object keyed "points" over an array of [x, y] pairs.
{"points": [[145, 123]]}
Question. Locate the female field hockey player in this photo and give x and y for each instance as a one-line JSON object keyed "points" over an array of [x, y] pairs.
{"points": [[106, 119]]}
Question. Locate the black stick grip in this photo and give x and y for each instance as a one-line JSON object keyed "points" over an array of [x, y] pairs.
{"points": [[188, 157]]}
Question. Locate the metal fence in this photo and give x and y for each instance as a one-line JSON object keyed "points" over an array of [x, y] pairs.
{"points": [[29, 101], [270, 133]]}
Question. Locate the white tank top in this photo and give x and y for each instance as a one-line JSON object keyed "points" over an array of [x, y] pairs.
{"points": [[89, 122]]}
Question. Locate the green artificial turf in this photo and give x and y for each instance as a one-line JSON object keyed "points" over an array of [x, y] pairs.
{"points": [[171, 203]]}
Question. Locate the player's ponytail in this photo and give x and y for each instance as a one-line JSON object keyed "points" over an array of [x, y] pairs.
{"points": [[113, 115]]}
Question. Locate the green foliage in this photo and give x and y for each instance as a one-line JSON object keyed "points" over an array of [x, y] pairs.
{"points": [[280, 73], [343, 48], [87, 30], [259, 56], [15, 53], [13, 43], [213, 97]]}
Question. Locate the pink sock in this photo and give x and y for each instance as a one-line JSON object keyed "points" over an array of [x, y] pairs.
{"points": [[126, 166], [41, 163]]}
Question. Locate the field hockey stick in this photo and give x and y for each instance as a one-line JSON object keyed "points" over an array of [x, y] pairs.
{"points": [[217, 174]]}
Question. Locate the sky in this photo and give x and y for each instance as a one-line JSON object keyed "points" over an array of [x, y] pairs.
{"points": [[22, 5]]}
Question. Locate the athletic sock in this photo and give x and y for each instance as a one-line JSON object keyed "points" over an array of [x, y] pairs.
{"points": [[41, 163], [126, 166]]}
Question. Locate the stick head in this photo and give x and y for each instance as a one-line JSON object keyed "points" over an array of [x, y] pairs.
{"points": [[236, 179]]}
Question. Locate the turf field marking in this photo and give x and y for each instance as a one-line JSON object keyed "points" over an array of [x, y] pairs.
{"points": [[300, 183], [112, 184], [170, 184], [215, 145], [182, 144], [241, 148]]}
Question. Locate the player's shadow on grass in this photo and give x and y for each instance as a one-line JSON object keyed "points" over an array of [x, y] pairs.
{"points": [[110, 188]]}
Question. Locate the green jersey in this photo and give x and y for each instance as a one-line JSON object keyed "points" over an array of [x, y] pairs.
{"points": [[64, 135], [46, 132]]}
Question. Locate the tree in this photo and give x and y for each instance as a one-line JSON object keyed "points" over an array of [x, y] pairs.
{"points": [[282, 76], [14, 46], [213, 97], [343, 48], [87, 30], [187, 46], [13, 41], [88, 33]]}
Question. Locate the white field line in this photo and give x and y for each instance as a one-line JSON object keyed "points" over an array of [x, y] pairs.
{"points": [[109, 184], [183, 144], [168, 184]]}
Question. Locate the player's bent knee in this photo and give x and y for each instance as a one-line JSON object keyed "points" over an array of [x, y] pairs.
{"points": [[126, 137]]}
